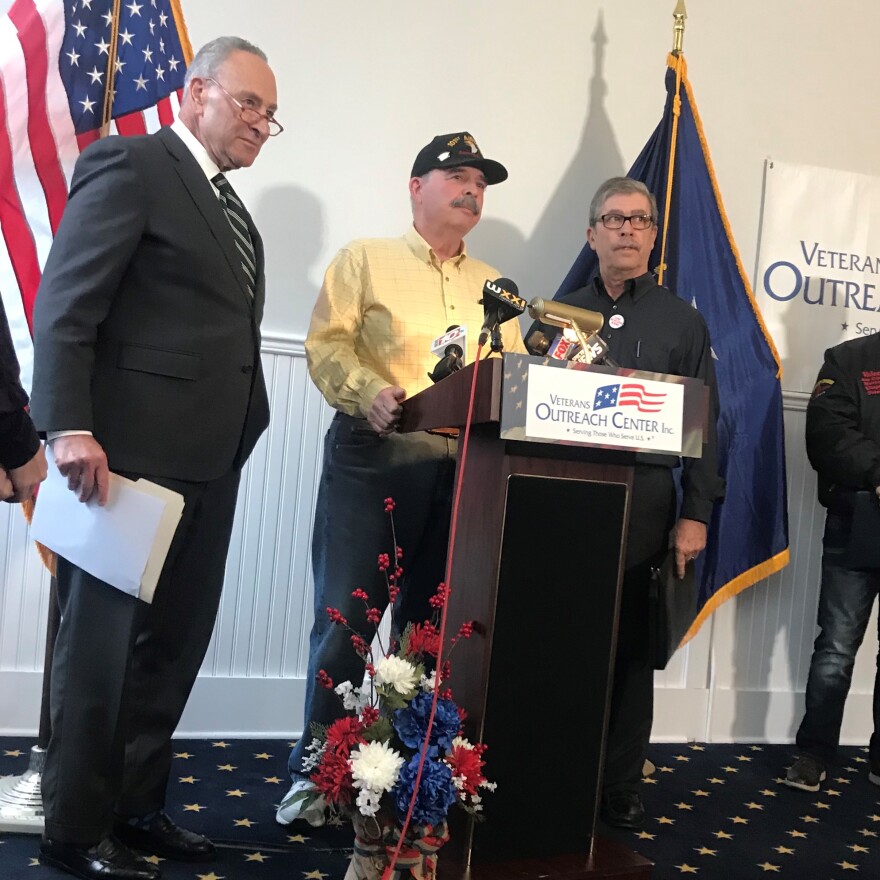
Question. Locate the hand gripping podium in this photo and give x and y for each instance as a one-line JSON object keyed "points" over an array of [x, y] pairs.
{"points": [[537, 564]]}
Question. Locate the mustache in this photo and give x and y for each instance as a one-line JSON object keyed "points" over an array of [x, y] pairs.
{"points": [[468, 202]]}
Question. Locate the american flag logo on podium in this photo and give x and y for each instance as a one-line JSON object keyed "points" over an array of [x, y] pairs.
{"points": [[629, 394]]}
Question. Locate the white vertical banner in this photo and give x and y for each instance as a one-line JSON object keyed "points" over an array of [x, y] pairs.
{"points": [[818, 277]]}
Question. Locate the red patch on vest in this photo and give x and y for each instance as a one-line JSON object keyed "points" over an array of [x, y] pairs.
{"points": [[871, 381]]}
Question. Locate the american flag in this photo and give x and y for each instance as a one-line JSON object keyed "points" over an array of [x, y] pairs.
{"points": [[56, 59], [629, 394]]}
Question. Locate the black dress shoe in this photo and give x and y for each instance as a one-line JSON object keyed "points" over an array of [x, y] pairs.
{"points": [[161, 837], [622, 809], [107, 860]]}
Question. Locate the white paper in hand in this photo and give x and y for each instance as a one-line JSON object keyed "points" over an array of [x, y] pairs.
{"points": [[123, 543]]}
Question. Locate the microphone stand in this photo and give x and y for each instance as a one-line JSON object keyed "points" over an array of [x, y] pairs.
{"points": [[21, 797]]}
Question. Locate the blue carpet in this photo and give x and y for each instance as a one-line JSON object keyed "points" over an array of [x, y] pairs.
{"points": [[717, 812]]}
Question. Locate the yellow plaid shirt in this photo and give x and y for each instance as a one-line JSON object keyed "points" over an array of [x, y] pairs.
{"points": [[382, 304]]}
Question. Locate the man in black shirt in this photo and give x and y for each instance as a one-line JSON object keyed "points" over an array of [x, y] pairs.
{"points": [[648, 328], [843, 445]]}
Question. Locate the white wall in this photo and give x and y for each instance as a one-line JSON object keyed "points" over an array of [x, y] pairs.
{"points": [[565, 93]]}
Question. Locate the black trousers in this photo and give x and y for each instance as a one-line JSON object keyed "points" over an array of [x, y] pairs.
{"points": [[632, 698], [123, 670]]}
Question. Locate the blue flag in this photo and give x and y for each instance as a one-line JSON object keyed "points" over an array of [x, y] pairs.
{"points": [[748, 533]]}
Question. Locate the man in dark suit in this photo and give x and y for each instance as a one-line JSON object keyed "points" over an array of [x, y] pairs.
{"points": [[147, 363]]}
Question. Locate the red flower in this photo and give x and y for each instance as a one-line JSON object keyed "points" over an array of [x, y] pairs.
{"points": [[344, 734], [384, 562], [389, 505], [360, 645], [423, 639], [332, 778], [438, 600], [336, 616], [468, 764], [324, 679], [370, 715], [393, 593], [360, 593], [374, 615]]}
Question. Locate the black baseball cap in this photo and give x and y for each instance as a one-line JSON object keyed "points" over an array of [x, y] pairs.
{"points": [[454, 150]]}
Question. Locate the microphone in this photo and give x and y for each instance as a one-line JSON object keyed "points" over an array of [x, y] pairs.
{"points": [[563, 315], [501, 302], [450, 348]]}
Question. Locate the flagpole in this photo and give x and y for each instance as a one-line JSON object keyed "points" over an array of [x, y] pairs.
{"points": [[679, 16], [107, 114]]}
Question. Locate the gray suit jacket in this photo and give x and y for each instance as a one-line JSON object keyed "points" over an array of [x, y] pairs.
{"points": [[144, 331]]}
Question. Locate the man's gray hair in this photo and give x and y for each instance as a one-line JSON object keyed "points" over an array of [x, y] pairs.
{"points": [[616, 186], [209, 58]]}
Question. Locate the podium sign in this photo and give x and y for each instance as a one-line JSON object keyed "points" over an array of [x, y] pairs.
{"points": [[547, 400]]}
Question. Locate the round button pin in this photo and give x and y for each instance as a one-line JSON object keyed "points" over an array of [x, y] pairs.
{"points": [[616, 322]]}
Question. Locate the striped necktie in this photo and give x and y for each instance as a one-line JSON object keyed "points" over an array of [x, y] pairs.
{"points": [[236, 215]]}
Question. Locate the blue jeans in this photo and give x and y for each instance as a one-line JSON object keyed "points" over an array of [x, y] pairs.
{"points": [[351, 530], [845, 602]]}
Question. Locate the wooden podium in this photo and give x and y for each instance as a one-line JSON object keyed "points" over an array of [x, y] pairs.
{"points": [[537, 564]]}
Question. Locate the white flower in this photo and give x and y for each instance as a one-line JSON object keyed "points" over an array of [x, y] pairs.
{"points": [[462, 743], [353, 699], [428, 682], [489, 786], [311, 761], [399, 673], [368, 802], [375, 766]]}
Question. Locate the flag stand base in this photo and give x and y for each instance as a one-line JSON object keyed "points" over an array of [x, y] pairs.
{"points": [[21, 801]]}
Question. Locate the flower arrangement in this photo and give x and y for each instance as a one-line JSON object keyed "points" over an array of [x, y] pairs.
{"points": [[397, 761]]}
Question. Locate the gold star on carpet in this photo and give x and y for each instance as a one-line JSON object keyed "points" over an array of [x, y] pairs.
{"points": [[784, 850], [809, 819], [766, 866], [730, 769], [684, 806], [255, 857], [664, 820], [796, 833], [220, 745], [682, 758], [743, 758], [769, 792], [292, 744], [236, 792], [185, 755], [723, 835], [193, 808], [153, 860], [715, 781], [757, 748], [847, 866], [858, 849], [842, 780], [705, 851], [228, 767], [273, 779], [700, 793], [666, 769], [644, 835], [12, 753], [822, 806], [753, 806], [335, 820], [33, 863], [649, 780], [850, 770], [687, 869], [874, 818], [263, 756], [188, 779], [314, 875], [867, 833], [296, 838], [696, 748], [832, 793], [738, 820], [243, 823], [211, 876], [860, 760], [780, 780]]}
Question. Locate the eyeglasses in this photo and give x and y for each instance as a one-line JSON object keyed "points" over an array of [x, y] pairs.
{"points": [[251, 115], [617, 221]]}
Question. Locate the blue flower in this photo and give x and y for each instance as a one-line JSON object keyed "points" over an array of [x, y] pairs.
{"points": [[436, 791], [411, 723]]}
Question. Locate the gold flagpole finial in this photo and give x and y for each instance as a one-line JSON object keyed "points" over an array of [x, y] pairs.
{"points": [[679, 15]]}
